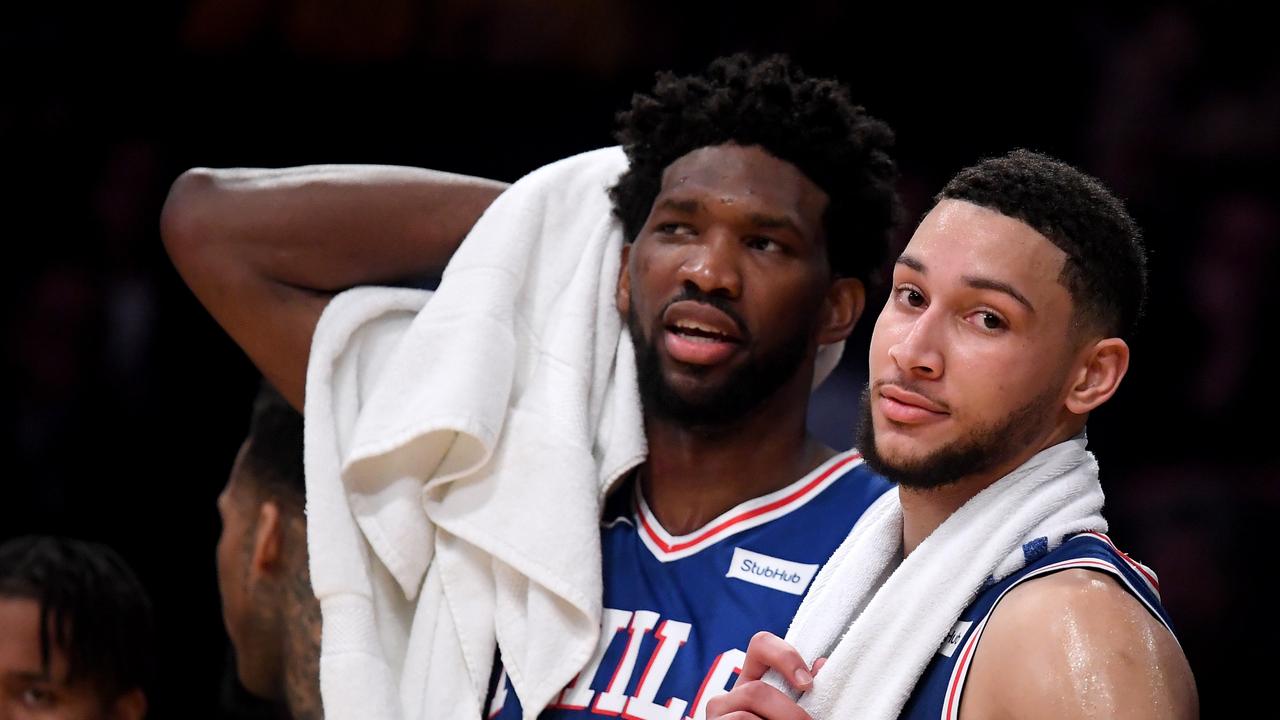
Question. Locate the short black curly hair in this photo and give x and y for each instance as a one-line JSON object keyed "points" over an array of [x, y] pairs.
{"points": [[805, 121], [1106, 268], [92, 608], [274, 455]]}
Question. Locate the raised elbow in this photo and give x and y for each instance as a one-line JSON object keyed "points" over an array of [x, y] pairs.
{"points": [[183, 219]]}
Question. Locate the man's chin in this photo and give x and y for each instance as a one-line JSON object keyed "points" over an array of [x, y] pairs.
{"points": [[700, 406], [713, 395], [696, 383], [894, 465], [673, 368], [903, 460]]}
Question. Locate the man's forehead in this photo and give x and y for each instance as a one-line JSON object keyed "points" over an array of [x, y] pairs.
{"points": [[734, 163], [733, 174], [20, 642], [966, 238]]}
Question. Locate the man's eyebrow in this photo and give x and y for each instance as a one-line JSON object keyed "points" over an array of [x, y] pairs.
{"points": [[29, 675], [973, 281], [774, 222], [914, 264], [684, 206], [982, 283]]}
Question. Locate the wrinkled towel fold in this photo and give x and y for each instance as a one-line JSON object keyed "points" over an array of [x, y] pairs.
{"points": [[456, 454]]}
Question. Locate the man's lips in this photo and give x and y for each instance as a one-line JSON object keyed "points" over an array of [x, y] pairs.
{"points": [[904, 406], [699, 334]]}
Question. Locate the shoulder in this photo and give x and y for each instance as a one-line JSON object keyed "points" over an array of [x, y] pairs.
{"points": [[1076, 644]]}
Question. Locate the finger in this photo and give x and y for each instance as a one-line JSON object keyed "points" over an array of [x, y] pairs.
{"points": [[766, 651], [739, 715], [817, 665], [755, 699]]}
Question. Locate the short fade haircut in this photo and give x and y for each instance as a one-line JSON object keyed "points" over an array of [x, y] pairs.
{"points": [[805, 121], [1106, 268], [92, 607], [274, 455]]}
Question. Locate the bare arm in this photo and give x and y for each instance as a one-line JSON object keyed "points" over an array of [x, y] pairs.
{"points": [[265, 250], [1076, 645]]}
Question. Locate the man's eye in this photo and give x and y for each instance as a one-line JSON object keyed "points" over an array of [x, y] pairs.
{"points": [[989, 320], [911, 296], [763, 243], [38, 697], [675, 229]]}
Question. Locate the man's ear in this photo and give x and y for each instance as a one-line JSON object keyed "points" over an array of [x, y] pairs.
{"points": [[843, 305], [622, 299], [267, 541], [129, 706], [1097, 375]]}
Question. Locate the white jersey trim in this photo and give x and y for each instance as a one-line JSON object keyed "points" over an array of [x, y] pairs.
{"points": [[1147, 574], [752, 513]]}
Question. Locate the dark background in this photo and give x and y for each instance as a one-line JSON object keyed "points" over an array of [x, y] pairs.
{"points": [[124, 403]]}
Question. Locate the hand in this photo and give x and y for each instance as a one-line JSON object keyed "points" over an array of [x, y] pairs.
{"points": [[751, 697]]}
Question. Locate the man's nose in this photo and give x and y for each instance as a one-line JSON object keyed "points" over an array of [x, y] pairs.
{"points": [[712, 264], [918, 351]]}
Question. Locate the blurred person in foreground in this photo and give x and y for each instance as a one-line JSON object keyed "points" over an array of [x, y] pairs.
{"points": [[76, 634]]}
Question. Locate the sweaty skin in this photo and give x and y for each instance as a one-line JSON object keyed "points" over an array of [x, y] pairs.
{"points": [[1075, 644]]}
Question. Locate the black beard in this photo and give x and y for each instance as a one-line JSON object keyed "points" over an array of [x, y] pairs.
{"points": [[725, 404], [979, 451]]}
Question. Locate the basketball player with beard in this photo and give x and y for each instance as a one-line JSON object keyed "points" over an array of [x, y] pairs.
{"points": [[1007, 325], [757, 202]]}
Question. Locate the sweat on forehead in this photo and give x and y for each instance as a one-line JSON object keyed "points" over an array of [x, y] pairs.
{"points": [[772, 192]]}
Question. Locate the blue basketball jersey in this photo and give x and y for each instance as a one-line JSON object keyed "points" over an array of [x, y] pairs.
{"points": [[937, 694], [680, 610]]}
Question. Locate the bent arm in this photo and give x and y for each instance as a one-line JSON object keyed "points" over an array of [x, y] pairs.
{"points": [[265, 250]]}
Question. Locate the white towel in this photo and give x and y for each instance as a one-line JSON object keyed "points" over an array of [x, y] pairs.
{"points": [[879, 619], [456, 455]]}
